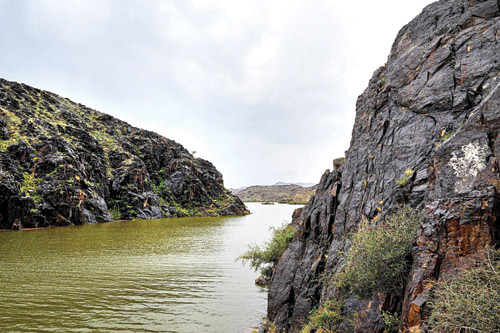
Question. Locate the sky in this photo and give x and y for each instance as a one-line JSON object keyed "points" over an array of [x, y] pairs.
{"points": [[264, 89]]}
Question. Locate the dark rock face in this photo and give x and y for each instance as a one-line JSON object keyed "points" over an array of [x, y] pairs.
{"points": [[434, 110], [294, 287], [62, 163]]}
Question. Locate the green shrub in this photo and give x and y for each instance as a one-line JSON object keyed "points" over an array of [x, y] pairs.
{"points": [[469, 302], [29, 183], [326, 318], [382, 83], [271, 328], [115, 213], [403, 181], [29, 186], [376, 261], [391, 321], [266, 257]]}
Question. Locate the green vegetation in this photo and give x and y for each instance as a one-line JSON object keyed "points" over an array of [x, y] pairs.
{"points": [[107, 141], [160, 190], [376, 261], [405, 179], [165, 197], [12, 120], [326, 318], [469, 302], [391, 322], [42, 119], [266, 257], [115, 213], [447, 135], [292, 202], [4, 144], [271, 328], [13, 124], [29, 186], [382, 83]]}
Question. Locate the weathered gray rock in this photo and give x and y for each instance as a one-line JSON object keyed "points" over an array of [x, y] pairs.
{"points": [[441, 78]]}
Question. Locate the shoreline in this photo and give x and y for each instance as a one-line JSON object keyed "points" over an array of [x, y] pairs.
{"points": [[62, 226]]}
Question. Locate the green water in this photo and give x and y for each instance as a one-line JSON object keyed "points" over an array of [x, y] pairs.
{"points": [[169, 275]]}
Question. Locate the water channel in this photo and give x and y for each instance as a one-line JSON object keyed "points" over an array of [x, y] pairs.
{"points": [[168, 275]]}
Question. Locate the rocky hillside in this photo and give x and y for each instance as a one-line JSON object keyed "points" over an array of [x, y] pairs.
{"points": [[62, 163], [276, 193], [431, 114]]}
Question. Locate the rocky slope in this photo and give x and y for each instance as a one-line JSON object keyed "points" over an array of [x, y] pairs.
{"points": [[434, 108], [62, 163], [276, 193]]}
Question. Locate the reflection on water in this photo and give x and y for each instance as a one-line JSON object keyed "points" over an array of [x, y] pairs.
{"points": [[169, 275]]}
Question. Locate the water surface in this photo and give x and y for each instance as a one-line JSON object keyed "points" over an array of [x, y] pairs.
{"points": [[168, 275]]}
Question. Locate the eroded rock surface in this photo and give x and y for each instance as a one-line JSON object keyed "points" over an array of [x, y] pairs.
{"points": [[433, 110], [62, 163]]}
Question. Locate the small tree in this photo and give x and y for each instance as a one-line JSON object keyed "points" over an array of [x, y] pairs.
{"points": [[266, 257]]}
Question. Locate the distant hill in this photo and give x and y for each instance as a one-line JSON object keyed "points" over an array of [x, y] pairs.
{"points": [[300, 184], [291, 193], [62, 163]]}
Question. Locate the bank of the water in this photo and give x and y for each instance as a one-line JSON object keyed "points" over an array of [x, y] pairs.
{"points": [[171, 275], [56, 227]]}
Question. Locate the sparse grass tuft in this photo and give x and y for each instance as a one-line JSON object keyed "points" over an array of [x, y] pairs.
{"points": [[447, 135], [325, 318]]}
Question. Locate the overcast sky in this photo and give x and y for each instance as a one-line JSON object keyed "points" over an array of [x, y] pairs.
{"points": [[264, 89]]}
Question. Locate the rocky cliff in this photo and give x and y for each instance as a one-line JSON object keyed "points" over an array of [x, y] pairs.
{"points": [[433, 109], [62, 163], [276, 193]]}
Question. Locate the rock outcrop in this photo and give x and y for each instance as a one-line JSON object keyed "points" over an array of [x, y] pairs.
{"points": [[433, 109], [295, 194], [62, 163]]}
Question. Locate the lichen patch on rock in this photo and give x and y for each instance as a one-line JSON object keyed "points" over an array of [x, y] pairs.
{"points": [[467, 164]]}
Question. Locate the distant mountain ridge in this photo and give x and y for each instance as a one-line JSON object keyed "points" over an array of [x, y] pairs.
{"points": [[300, 184], [287, 193]]}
